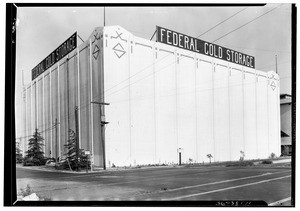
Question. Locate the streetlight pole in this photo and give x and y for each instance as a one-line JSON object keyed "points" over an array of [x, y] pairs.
{"points": [[103, 123], [104, 16]]}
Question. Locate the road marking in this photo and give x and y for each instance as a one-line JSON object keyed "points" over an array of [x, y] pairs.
{"points": [[279, 202], [224, 181], [129, 182], [224, 189]]}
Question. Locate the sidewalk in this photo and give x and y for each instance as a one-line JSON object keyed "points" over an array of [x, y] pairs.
{"points": [[97, 169], [285, 160], [52, 169]]}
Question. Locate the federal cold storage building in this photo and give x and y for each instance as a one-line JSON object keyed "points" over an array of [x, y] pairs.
{"points": [[158, 98]]}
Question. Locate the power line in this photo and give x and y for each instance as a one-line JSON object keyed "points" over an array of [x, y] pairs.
{"points": [[82, 106], [175, 51], [48, 129], [246, 23], [198, 90], [273, 65], [260, 49], [222, 22], [85, 105], [199, 36]]}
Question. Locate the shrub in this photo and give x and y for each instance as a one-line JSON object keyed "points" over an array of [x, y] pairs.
{"points": [[240, 163], [27, 191], [266, 162], [19, 156], [19, 160], [242, 156], [272, 156], [76, 159]]}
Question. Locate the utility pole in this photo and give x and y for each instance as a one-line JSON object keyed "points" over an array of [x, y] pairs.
{"points": [[276, 63], [56, 138], [77, 133], [103, 123], [104, 16]]}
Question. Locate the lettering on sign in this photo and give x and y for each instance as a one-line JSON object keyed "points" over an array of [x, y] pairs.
{"points": [[183, 41], [65, 48]]}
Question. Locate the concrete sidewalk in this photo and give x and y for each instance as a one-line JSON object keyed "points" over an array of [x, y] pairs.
{"points": [[285, 160], [97, 170], [51, 169]]}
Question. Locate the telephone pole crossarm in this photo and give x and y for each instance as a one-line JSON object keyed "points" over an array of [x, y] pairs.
{"points": [[100, 103]]}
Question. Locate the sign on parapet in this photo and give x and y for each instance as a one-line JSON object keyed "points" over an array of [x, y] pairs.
{"points": [[65, 48], [186, 42]]}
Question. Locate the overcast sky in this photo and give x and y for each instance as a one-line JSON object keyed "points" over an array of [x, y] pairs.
{"points": [[264, 33]]}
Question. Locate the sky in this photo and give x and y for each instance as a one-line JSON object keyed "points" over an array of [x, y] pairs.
{"points": [[262, 32]]}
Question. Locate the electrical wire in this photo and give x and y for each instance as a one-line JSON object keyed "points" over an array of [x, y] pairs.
{"points": [[264, 67], [85, 105], [247, 23], [222, 22], [82, 106]]}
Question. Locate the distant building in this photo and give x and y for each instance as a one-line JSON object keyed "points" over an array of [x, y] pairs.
{"points": [[286, 123]]}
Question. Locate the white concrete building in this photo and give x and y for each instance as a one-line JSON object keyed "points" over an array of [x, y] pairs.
{"points": [[161, 98]]}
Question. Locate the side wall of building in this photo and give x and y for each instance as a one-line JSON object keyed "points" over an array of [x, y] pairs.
{"points": [[52, 97], [286, 122], [163, 98]]}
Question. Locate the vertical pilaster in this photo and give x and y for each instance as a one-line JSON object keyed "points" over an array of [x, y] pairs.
{"points": [[129, 102], [78, 94], [59, 125], [36, 103], [154, 50], [213, 105], [196, 113], [229, 121], [31, 110], [268, 116], [278, 115], [256, 128], [243, 88], [176, 94], [50, 107], [43, 113], [91, 104], [25, 120]]}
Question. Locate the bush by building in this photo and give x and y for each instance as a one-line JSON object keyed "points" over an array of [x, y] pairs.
{"points": [[34, 154]]}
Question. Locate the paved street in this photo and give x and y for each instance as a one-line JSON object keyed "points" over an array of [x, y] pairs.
{"points": [[271, 184]]}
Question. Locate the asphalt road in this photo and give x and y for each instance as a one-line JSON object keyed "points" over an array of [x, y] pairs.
{"points": [[270, 184]]}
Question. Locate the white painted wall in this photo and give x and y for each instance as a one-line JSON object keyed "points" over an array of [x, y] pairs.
{"points": [[163, 98]]}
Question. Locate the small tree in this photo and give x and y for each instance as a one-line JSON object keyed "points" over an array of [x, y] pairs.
{"points": [[35, 154], [272, 155], [19, 155], [242, 155], [72, 150], [209, 156], [75, 156]]}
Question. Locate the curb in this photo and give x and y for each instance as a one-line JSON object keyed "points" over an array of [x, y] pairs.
{"points": [[49, 169], [54, 170]]}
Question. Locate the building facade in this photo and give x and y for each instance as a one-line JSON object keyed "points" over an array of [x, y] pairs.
{"points": [[161, 99], [286, 123]]}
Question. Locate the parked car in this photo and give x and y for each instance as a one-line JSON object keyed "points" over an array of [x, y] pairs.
{"points": [[50, 163]]}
